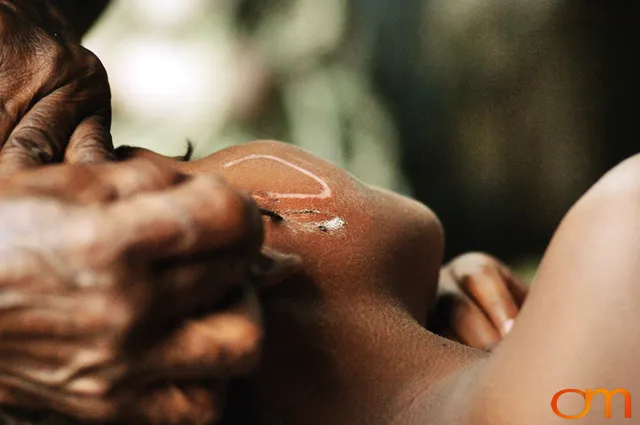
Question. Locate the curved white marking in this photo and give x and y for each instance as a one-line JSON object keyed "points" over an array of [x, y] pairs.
{"points": [[326, 190]]}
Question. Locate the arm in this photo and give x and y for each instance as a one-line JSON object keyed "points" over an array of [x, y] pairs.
{"points": [[578, 328]]}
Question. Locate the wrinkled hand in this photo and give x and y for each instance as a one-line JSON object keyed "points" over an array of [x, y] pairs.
{"points": [[124, 291], [478, 300], [54, 93]]}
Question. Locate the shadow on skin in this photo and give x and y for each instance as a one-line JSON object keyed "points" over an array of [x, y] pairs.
{"points": [[352, 322]]}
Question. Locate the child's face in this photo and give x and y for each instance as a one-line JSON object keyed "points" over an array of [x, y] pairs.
{"points": [[355, 240]]}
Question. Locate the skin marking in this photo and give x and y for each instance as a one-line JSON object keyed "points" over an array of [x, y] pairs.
{"points": [[331, 225], [324, 194], [326, 226]]}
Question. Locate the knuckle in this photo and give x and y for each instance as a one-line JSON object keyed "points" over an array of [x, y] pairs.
{"points": [[94, 66], [120, 332], [9, 108], [106, 311], [55, 52], [92, 61], [88, 386], [472, 263], [245, 352], [89, 144], [33, 142], [237, 214], [477, 257], [121, 316], [90, 151], [44, 55], [143, 174]]}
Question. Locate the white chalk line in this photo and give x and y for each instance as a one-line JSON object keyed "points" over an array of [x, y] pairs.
{"points": [[326, 190]]}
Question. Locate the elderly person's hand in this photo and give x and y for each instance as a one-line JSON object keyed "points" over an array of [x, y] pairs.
{"points": [[54, 93], [125, 291]]}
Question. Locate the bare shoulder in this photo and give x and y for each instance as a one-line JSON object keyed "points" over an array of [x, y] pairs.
{"points": [[585, 289], [620, 185]]}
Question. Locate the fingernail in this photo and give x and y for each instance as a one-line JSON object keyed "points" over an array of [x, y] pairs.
{"points": [[508, 324]]}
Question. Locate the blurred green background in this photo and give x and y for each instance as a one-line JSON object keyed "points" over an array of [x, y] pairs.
{"points": [[497, 114]]}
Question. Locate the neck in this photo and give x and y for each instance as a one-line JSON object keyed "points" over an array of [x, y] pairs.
{"points": [[350, 363]]}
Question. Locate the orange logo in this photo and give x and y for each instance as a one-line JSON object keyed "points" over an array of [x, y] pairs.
{"points": [[588, 396]]}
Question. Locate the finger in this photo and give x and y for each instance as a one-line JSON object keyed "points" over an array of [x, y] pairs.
{"points": [[42, 134], [222, 344], [17, 405], [21, 394], [192, 289], [8, 114], [487, 288], [118, 181], [91, 141], [99, 183], [177, 404], [200, 215], [50, 317], [515, 285], [467, 322], [11, 397], [447, 281]]}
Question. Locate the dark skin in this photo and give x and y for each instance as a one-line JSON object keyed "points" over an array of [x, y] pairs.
{"points": [[112, 280], [413, 376], [346, 338], [372, 279], [347, 343], [477, 297], [158, 372], [61, 110], [64, 114], [55, 101]]}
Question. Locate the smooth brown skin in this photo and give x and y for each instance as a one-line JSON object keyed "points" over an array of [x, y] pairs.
{"points": [[114, 286], [55, 101], [345, 340], [477, 297], [373, 279]]}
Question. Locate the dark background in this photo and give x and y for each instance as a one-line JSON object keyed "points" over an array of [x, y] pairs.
{"points": [[497, 114]]}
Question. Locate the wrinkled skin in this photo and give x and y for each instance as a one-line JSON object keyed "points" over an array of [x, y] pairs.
{"points": [[124, 282], [54, 93], [370, 256]]}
